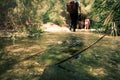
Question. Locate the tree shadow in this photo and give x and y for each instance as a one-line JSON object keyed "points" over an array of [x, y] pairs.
{"points": [[5, 7], [69, 69], [95, 64], [65, 71], [7, 61], [92, 63], [62, 49]]}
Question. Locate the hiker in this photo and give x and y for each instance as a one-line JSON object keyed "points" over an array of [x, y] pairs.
{"points": [[73, 7]]}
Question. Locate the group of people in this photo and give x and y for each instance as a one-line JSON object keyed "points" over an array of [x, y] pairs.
{"points": [[74, 9]]}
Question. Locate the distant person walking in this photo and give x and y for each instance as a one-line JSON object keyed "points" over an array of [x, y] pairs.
{"points": [[73, 7]]}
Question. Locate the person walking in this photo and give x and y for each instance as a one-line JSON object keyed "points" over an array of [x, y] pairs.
{"points": [[73, 7]]}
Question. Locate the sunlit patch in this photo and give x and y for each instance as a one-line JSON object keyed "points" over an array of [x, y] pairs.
{"points": [[97, 71], [28, 63], [48, 61], [28, 67], [49, 27], [19, 49]]}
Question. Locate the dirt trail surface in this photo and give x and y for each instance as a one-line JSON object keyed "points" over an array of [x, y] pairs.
{"points": [[49, 27]]}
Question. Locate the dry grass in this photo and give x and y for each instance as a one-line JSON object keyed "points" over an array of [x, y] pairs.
{"points": [[27, 58]]}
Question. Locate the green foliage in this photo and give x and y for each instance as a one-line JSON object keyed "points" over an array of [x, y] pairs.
{"points": [[19, 14], [34, 32], [102, 9]]}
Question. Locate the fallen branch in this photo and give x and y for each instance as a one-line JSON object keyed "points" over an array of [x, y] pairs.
{"points": [[79, 52]]}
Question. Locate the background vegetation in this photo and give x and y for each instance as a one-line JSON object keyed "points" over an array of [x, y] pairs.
{"points": [[21, 14]]}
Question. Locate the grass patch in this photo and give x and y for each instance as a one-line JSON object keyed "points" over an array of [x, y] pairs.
{"points": [[27, 58]]}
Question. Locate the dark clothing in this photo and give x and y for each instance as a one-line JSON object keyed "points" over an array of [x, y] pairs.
{"points": [[74, 20], [77, 6], [74, 17]]}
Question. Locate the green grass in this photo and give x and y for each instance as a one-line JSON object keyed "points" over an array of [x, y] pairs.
{"points": [[29, 59]]}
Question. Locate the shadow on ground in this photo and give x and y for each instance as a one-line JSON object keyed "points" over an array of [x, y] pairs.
{"points": [[67, 70], [24, 61]]}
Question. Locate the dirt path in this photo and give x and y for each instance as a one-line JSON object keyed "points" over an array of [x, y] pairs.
{"points": [[50, 27]]}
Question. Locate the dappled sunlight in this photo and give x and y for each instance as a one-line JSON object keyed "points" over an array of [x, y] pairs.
{"points": [[17, 50], [98, 71], [30, 58], [36, 42], [29, 64], [26, 68], [23, 51]]}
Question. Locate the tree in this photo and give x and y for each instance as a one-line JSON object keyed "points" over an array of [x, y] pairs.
{"points": [[107, 13]]}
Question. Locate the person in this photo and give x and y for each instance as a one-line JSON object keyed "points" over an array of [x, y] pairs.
{"points": [[74, 14]]}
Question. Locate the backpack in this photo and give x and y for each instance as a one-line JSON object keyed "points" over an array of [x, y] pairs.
{"points": [[71, 7]]}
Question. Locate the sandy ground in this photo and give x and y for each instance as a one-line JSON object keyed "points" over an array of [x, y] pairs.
{"points": [[50, 27]]}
